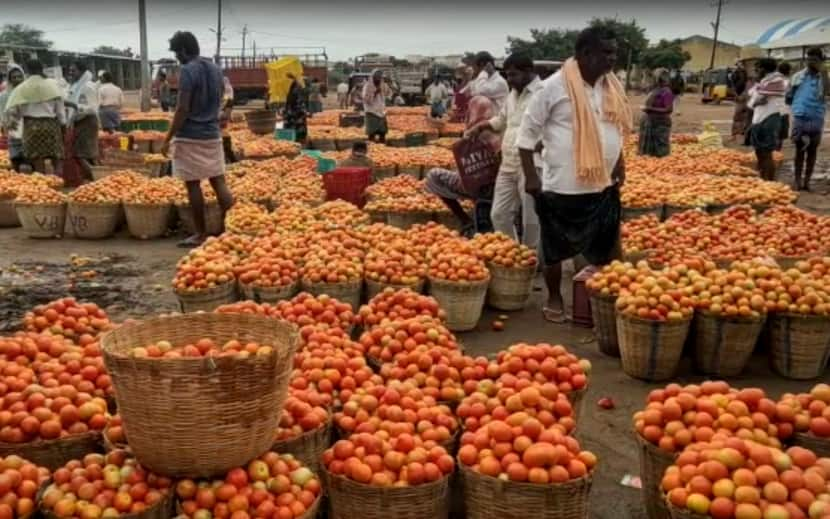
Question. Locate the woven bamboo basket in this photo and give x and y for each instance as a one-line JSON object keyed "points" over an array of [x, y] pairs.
{"points": [[8, 214], [308, 447], [110, 446], [630, 213], [674, 209], [604, 314], [164, 509], [486, 497], [200, 417], [214, 223], [799, 348], [724, 345], [382, 173], [348, 292], [412, 171], [93, 221], [207, 300], [148, 221], [577, 400], [681, 513], [510, 287], [351, 500], [54, 454], [374, 288], [463, 302], [274, 294], [448, 220], [246, 292], [650, 350], [820, 446], [42, 220], [637, 255], [788, 262], [717, 208], [407, 219], [653, 464], [377, 216]]}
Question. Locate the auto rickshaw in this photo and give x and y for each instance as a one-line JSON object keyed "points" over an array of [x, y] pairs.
{"points": [[717, 85]]}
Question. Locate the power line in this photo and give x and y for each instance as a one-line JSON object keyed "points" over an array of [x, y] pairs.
{"points": [[716, 26]]}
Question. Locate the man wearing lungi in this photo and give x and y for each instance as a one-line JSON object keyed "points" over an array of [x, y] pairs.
{"points": [[580, 115], [195, 135]]}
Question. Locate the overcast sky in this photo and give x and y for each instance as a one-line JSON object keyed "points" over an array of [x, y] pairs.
{"points": [[349, 28]]}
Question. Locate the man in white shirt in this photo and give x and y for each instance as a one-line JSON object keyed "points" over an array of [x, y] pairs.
{"points": [[488, 82], [374, 106], [508, 193], [578, 207], [437, 95], [342, 95], [766, 99]]}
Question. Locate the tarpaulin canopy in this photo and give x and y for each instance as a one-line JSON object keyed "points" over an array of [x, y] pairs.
{"points": [[279, 77], [816, 37]]}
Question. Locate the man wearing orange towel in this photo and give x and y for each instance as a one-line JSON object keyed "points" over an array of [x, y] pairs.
{"points": [[581, 115]]}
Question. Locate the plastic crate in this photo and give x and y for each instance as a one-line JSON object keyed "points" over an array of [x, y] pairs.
{"points": [[326, 165], [415, 139], [314, 154], [348, 120], [283, 134], [347, 184], [581, 302]]}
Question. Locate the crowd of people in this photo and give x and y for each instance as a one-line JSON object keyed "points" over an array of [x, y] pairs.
{"points": [[45, 123]]}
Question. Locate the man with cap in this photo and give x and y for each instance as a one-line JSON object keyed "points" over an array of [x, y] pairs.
{"points": [[374, 106]]}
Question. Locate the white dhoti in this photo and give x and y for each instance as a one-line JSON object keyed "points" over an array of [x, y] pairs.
{"points": [[509, 198], [195, 159]]}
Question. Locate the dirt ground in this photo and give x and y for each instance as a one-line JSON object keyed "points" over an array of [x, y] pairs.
{"points": [[131, 278]]}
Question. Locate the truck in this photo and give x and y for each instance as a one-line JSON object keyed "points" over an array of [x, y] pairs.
{"points": [[247, 73], [408, 80]]}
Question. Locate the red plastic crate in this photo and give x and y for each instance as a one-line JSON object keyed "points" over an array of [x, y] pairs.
{"points": [[581, 302], [347, 184], [4, 142]]}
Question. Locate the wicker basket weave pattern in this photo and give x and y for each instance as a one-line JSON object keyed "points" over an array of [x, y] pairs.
{"points": [[54, 454], [650, 350], [820, 446], [463, 302], [723, 345], [207, 300], [42, 220], [93, 221], [8, 214], [653, 464], [374, 288], [799, 345], [510, 287], [307, 447], [491, 498], [604, 314], [351, 500], [348, 292], [200, 417], [148, 221]]}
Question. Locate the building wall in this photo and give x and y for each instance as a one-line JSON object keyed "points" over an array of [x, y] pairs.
{"points": [[700, 51]]}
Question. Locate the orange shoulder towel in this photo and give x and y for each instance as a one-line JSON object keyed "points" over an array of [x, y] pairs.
{"points": [[590, 165]]}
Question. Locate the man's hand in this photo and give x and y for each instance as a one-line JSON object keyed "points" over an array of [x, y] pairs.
{"points": [[165, 147], [618, 175], [533, 186], [473, 132]]}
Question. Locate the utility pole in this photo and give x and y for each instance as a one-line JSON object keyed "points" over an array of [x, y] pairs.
{"points": [[145, 61], [244, 34], [219, 31], [716, 26]]}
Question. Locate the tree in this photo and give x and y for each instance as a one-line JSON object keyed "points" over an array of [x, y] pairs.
{"points": [[553, 44], [666, 54], [113, 51], [21, 34], [630, 38]]}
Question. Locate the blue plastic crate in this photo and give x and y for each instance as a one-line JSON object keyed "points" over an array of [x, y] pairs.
{"points": [[325, 165], [316, 154], [285, 134]]}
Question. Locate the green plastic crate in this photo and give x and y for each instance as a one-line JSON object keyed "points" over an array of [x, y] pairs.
{"points": [[416, 139], [285, 134], [316, 154], [325, 165]]}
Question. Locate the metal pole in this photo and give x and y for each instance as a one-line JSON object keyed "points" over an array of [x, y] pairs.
{"points": [[716, 25], [628, 68], [145, 61], [219, 31], [244, 33]]}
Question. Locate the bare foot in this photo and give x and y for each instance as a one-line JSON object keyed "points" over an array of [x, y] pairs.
{"points": [[554, 311]]}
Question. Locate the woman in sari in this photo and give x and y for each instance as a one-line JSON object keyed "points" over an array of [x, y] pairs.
{"points": [[655, 124], [295, 111], [447, 184], [15, 136]]}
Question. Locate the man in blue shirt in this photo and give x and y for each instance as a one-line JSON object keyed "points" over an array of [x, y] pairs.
{"points": [[196, 138], [807, 96]]}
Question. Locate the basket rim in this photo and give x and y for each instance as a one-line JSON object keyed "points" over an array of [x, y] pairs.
{"points": [[327, 426], [794, 315], [667, 323], [440, 281], [385, 490], [587, 478], [655, 449], [280, 287], [523, 268], [40, 204], [108, 205], [685, 511], [215, 288], [89, 435], [166, 205], [168, 500], [731, 318], [350, 283], [598, 295], [812, 437]]}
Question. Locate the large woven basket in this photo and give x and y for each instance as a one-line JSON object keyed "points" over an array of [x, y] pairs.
{"points": [[148, 221], [163, 509], [463, 302], [448, 220], [307, 447], [680, 513], [724, 345], [405, 220], [214, 223], [379, 173], [274, 294], [788, 262], [820, 446], [717, 208], [653, 464], [650, 350], [200, 417], [510, 287], [799, 345], [54, 454], [412, 171], [42, 220], [351, 500], [630, 213], [207, 300], [8, 214], [348, 292], [374, 288], [486, 497], [604, 315], [325, 145], [93, 221]]}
